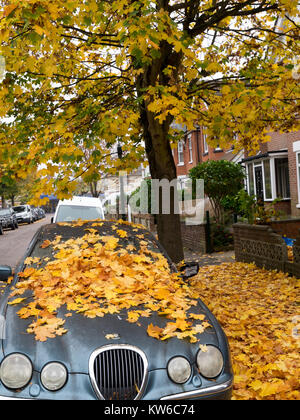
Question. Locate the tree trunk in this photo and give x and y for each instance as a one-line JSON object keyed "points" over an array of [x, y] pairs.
{"points": [[162, 166], [158, 149], [3, 202], [93, 189]]}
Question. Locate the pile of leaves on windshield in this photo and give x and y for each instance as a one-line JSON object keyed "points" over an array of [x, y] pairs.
{"points": [[100, 268]]}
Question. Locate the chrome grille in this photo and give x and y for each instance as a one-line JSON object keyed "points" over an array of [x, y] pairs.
{"points": [[118, 372]]}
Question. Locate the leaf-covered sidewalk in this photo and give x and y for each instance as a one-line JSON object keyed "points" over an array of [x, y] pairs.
{"points": [[259, 311]]}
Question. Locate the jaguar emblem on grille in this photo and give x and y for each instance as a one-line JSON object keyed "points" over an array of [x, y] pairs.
{"points": [[118, 372]]}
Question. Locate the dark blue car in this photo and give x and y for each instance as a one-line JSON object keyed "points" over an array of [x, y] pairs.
{"points": [[108, 358]]}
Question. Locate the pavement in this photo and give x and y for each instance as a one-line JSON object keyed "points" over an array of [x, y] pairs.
{"points": [[13, 243], [215, 258]]}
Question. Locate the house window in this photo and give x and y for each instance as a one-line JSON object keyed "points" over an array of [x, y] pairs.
{"points": [[205, 144], [268, 180], [180, 154], [251, 179], [259, 182], [282, 178], [190, 149]]}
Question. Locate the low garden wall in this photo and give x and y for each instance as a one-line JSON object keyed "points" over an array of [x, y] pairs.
{"points": [[264, 247], [289, 228], [194, 237], [146, 220]]}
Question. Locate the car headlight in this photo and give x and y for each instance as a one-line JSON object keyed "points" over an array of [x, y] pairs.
{"points": [[179, 370], [54, 376], [210, 362], [15, 371]]}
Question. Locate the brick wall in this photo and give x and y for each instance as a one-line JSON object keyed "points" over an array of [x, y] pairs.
{"points": [[194, 237], [262, 246], [291, 138], [146, 220], [198, 153], [183, 169], [279, 141], [289, 228]]}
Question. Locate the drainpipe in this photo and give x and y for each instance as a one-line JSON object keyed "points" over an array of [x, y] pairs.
{"points": [[198, 150]]}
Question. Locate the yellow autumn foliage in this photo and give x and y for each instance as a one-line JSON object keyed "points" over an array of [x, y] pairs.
{"points": [[259, 311]]}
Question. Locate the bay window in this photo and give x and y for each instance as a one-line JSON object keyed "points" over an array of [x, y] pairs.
{"points": [[268, 178]]}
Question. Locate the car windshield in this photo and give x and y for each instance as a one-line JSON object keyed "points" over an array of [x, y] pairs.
{"points": [[4, 212], [135, 235], [19, 209], [70, 213]]}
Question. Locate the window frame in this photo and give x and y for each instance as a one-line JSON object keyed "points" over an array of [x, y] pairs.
{"points": [[260, 162], [205, 144], [180, 152], [190, 145]]}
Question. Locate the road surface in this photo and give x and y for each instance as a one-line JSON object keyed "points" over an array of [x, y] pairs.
{"points": [[14, 243]]}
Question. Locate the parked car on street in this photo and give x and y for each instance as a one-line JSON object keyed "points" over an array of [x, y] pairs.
{"points": [[8, 219], [35, 214], [41, 213], [84, 208], [1, 229], [24, 214], [106, 356]]}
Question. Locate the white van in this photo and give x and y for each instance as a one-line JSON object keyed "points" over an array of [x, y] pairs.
{"points": [[84, 208]]}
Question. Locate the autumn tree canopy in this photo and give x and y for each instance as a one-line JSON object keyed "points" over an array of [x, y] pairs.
{"points": [[85, 75]]}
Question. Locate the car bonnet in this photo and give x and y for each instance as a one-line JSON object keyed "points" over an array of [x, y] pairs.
{"points": [[86, 335]]}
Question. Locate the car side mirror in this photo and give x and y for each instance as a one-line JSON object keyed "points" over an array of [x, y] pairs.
{"points": [[189, 269], [52, 219], [5, 273]]}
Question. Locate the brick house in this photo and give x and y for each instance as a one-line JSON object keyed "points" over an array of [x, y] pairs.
{"points": [[193, 149], [274, 173]]}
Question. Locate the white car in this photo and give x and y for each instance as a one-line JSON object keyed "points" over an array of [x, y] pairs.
{"points": [[24, 214], [84, 208]]}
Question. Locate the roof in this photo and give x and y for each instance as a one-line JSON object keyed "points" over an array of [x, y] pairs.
{"points": [[265, 155], [81, 201]]}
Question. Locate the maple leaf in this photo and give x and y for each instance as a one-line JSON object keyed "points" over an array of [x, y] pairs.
{"points": [[46, 244], [30, 260], [122, 233], [16, 301], [27, 272], [111, 336], [199, 317], [154, 331], [133, 316], [203, 347]]}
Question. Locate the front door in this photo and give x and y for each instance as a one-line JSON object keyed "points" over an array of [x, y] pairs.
{"points": [[259, 183]]}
